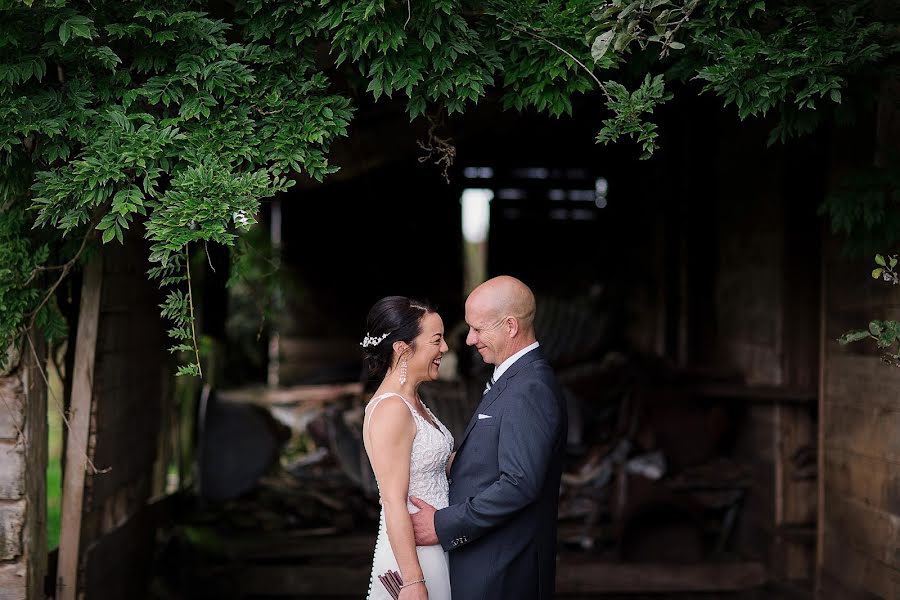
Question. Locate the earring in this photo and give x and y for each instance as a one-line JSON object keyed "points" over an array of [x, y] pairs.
{"points": [[402, 371]]}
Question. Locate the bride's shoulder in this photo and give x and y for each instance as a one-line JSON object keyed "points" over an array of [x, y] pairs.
{"points": [[387, 402], [389, 414]]}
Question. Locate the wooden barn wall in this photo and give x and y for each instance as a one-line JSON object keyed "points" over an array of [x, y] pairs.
{"points": [[117, 540], [860, 530], [766, 331], [861, 435]]}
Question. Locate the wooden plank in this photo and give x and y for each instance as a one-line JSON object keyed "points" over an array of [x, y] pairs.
{"points": [[848, 573], [850, 378], [827, 249], [127, 401], [872, 532], [606, 578], [795, 499], [585, 578], [872, 481], [305, 394], [34, 534], [79, 426], [867, 430]]}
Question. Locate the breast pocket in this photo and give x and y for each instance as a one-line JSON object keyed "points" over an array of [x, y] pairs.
{"points": [[484, 440], [487, 425]]}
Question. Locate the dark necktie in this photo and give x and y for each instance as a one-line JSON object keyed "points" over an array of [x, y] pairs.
{"points": [[488, 386]]}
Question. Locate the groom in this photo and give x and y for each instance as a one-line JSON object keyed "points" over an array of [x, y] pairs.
{"points": [[500, 527]]}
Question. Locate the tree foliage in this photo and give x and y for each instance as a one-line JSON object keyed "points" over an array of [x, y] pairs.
{"points": [[183, 115]]}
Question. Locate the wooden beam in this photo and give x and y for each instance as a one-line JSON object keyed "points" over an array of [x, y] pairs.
{"points": [[820, 445], [287, 546], [298, 394], [775, 394], [79, 429], [307, 581]]}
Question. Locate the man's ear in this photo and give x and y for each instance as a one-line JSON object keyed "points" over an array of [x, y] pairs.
{"points": [[512, 326]]}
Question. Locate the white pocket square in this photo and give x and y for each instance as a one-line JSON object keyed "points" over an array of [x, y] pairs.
{"points": [[482, 416]]}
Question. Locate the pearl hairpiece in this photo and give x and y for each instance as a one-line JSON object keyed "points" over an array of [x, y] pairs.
{"points": [[372, 341]]}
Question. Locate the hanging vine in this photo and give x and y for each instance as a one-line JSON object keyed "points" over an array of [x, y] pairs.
{"points": [[175, 118]]}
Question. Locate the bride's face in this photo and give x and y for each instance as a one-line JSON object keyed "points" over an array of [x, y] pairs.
{"points": [[425, 362]]}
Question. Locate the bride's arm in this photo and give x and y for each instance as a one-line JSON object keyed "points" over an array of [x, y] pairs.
{"points": [[391, 437]]}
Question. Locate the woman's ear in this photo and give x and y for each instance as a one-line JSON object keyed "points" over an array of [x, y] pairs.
{"points": [[400, 347]]}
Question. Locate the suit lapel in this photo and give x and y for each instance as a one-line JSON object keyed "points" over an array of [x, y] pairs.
{"points": [[497, 389], [486, 401]]}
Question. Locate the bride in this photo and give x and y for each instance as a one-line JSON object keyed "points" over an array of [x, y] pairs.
{"points": [[409, 449]]}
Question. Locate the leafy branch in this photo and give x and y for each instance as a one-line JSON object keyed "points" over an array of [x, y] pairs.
{"points": [[643, 22], [885, 333]]}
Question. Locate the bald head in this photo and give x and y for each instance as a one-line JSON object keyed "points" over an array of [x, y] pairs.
{"points": [[500, 313], [505, 295]]}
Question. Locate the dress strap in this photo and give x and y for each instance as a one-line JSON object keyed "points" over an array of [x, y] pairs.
{"points": [[373, 403]]}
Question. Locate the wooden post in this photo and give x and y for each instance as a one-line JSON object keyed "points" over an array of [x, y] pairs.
{"points": [[823, 354], [79, 426]]}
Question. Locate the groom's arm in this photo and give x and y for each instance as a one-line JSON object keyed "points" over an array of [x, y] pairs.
{"points": [[527, 439]]}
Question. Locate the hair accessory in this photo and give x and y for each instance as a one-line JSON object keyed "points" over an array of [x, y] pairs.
{"points": [[372, 341]]}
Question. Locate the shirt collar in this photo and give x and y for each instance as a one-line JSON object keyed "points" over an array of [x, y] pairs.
{"points": [[506, 364]]}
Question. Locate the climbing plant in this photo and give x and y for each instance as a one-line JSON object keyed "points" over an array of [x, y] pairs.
{"points": [[173, 119]]}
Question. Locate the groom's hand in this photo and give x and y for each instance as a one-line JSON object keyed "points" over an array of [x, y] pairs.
{"points": [[423, 523]]}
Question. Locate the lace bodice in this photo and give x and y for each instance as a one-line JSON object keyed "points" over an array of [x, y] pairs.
{"points": [[428, 460]]}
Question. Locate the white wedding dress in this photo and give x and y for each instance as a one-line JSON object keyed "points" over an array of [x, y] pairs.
{"points": [[428, 481]]}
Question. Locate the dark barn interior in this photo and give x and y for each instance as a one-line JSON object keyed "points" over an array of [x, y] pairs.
{"points": [[688, 303]]}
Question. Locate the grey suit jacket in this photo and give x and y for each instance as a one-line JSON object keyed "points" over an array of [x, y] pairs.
{"points": [[500, 527]]}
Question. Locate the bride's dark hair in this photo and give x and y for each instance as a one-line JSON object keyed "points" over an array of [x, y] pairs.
{"points": [[391, 319]]}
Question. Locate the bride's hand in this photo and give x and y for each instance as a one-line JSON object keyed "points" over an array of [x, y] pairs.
{"points": [[417, 591]]}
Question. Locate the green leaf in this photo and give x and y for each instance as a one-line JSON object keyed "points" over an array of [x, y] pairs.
{"points": [[601, 44], [676, 45], [876, 273], [629, 9], [78, 26], [879, 260], [853, 336], [108, 235]]}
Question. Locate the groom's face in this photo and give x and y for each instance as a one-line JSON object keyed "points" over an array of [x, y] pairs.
{"points": [[485, 332]]}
